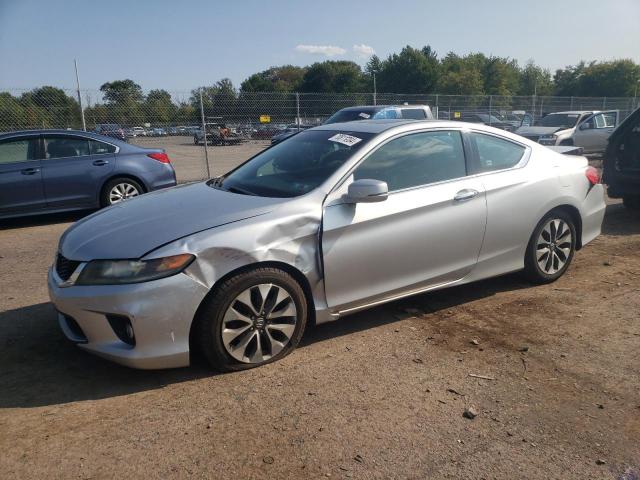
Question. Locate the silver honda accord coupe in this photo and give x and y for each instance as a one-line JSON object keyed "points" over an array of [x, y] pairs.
{"points": [[333, 220]]}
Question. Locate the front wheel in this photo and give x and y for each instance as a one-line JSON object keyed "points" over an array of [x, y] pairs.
{"points": [[550, 248], [253, 318]]}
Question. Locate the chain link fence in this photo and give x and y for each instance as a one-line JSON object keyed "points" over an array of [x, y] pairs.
{"points": [[239, 125]]}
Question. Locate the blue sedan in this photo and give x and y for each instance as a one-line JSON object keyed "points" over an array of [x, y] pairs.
{"points": [[45, 171]]}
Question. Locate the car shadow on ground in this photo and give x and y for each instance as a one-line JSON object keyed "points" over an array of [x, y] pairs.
{"points": [[44, 219], [620, 220], [40, 367]]}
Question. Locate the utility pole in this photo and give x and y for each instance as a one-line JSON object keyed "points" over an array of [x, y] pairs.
{"points": [[374, 88], [84, 125], [204, 135]]}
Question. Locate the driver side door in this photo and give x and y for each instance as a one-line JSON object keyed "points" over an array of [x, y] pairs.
{"points": [[428, 231], [593, 133]]}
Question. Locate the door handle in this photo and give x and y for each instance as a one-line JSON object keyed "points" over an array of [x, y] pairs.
{"points": [[99, 163], [466, 194], [29, 171]]}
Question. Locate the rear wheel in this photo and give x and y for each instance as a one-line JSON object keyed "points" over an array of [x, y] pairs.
{"points": [[253, 318], [551, 248], [119, 190], [632, 202], [195, 140]]}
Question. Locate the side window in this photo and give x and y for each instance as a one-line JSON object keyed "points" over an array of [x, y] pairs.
{"points": [[414, 113], [416, 159], [96, 147], [62, 147], [17, 150], [599, 121], [609, 119], [496, 153]]}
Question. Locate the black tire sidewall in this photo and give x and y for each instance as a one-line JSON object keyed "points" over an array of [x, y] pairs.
{"points": [[210, 317], [532, 269], [104, 195]]}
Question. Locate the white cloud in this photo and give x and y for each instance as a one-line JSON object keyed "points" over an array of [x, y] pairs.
{"points": [[363, 51], [327, 50]]}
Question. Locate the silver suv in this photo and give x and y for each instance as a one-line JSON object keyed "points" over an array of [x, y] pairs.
{"points": [[587, 129]]}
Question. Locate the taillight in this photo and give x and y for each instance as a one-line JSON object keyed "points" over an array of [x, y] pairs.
{"points": [[160, 157], [592, 175]]}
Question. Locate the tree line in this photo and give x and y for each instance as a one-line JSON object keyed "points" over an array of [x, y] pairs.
{"points": [[411, 71]]}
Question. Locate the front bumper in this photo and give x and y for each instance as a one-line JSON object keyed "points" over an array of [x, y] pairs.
{"points": [[160, 312]]}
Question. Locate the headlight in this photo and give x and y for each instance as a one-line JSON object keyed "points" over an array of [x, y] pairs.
{"points": [[117, 272]]}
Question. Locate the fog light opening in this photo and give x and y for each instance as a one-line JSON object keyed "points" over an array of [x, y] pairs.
{"points": [[123, 329]]}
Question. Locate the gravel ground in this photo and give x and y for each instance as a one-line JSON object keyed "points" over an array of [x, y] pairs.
{"points": [[380, 394]]}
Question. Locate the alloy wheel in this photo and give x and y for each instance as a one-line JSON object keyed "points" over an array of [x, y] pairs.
{"points": [[259, 323], [553, 248], [122, 191]]}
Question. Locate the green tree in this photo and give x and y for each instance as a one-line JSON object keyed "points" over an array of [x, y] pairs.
{"points": [[535, 80], [50, 107], [122, 91], [410, 71], [501, 76], [286, 78], [567, 80], [617, 78], [158, 107], [333, 76], [12, 113], [461, 75], [218, 100]]}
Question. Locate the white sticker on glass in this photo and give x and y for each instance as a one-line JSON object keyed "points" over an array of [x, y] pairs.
{"points": [[347, 140], [364, 115]]}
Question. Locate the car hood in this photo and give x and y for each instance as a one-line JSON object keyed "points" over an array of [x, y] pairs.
{"points": [[133, 228], [539, 130]]}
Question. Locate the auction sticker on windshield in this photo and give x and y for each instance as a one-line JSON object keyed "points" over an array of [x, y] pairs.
{"points": [[364, 115], [347, 140]]}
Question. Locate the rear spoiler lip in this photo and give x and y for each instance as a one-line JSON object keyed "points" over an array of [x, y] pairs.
{"points": [[567, 149]]}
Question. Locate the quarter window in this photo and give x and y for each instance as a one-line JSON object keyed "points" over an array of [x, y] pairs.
{"points": [[100, 147], [416, 159], [18, 150], [495, 153], [62, 147]]}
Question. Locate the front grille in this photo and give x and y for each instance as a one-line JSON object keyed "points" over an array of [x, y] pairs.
{"points": [[533, 138], [65, 267]]}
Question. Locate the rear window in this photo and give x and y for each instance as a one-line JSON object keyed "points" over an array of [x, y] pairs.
{"points": [[98, 148], [414, 113]]}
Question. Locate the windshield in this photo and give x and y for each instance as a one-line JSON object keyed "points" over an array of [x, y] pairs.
{"points": [[565, 120], [296, 166]]}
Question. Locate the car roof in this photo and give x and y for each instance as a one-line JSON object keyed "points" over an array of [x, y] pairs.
{"points": [[378, 126], [96, 136], [573, 112], [378, 107]]}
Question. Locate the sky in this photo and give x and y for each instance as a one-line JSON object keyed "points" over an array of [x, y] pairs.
{"points": [[182, 44]]}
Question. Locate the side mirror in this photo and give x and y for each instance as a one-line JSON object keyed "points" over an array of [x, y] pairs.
{"points": [[367, 190]]}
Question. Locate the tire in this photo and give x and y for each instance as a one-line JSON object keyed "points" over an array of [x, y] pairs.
{"points": [[632, 202], [195, 140], [128, 187], [549, 254], [233, 306]]}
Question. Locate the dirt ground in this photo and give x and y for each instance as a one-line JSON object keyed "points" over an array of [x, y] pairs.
{"points": [[380, 394]]}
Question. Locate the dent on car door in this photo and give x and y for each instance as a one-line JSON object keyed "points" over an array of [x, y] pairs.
{"points": [[21, 187], [72, 174], [427, 232]]}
